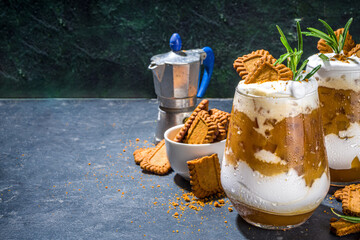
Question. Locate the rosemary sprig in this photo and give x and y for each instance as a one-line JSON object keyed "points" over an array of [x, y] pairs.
{"points": [[293, 56], [347, 218], [331, 40], [323, 57]]}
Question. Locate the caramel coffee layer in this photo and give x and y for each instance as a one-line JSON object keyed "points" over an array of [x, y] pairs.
{"points": [[294, 142], [339, 108], [347, 175], [274, 221]]}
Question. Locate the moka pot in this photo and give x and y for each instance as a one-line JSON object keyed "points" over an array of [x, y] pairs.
{"points": [[178, 83]]}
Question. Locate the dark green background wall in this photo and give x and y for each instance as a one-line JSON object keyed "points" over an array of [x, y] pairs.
{"points": [[102, 48]]}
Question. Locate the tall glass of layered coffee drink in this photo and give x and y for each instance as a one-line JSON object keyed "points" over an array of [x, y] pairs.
{"points": [[339, 93], [275, 169]]}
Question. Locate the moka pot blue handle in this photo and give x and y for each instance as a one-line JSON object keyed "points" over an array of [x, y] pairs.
{"points": [[208, 69], [176, 44]]}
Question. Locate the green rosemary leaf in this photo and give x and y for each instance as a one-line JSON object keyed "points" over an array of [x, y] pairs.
{"points": [[285, 43], [346, 29], [312, 72], [347, 25], [323, 57], [341, 42], [331, 40], [283, 39], [320, 34], [300, 39], [294, 56], [329, 30], [293, 65], [299, 71], [282, 58], [298, 55], [347, 218], [333, 46]]}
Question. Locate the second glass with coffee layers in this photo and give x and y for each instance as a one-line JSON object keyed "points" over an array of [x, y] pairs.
{"points": [[339, 93], [275, 169]]}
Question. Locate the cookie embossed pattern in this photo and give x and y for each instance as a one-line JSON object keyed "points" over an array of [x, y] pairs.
{"points": [[275, 169]]}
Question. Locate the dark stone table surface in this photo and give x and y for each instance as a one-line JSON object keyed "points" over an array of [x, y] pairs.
{"points": [[67, 172]]}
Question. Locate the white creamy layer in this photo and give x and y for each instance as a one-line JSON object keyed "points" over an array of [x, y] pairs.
{"points": [[268, 157], [285, 193], [275, 100], [342, 150], [336, 74], [295, 89]]}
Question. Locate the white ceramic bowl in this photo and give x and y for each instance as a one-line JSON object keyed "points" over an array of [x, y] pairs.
{"points": [[180, 153]]}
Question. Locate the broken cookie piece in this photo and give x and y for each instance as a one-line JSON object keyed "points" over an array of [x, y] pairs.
{"points": [[205, 176], [350, 197], [349, 43], [342, 227], [157, 161], [265, 71], [355, 51], [141, 153], [222, 121], [351, 201], [202, 129], [203, 105], [246, 64]]}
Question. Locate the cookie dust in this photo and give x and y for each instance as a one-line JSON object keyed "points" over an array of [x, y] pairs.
{"points": [[189, 202]]}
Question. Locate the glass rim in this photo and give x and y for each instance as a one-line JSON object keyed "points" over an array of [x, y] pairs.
{"points": [[315, 90]]}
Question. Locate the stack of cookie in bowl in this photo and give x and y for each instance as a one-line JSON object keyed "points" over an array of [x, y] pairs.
{"points": [[193, 150], [204, 126]]}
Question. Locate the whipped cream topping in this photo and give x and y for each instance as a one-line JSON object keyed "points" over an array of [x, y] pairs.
{"points": [[336, 74], [275, 100], [342, 150], [285, 193], [278, 89]]}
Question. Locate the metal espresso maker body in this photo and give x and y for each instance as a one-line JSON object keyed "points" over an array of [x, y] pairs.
{"points": [[178, 83]]}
